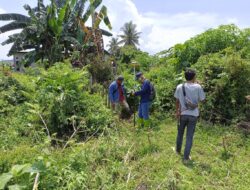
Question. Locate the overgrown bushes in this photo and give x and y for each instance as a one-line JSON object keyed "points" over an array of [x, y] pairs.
{"points": [[226, 79], [223, 70], [62, 98], [57, 105], [56, 102]]}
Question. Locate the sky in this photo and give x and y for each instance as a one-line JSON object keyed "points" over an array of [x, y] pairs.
{"points": [[163, 23]]}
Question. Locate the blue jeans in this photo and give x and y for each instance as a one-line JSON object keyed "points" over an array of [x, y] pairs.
{"points": [[143, 111], [189, 122]]}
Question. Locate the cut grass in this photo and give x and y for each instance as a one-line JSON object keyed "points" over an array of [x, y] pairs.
{"points": [[125, 159]]}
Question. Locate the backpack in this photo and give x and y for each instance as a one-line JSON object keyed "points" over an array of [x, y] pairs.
{"points": [[188, 103], [152, 92]]}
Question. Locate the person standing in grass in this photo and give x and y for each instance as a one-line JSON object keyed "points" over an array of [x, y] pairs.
{"points": [[145, 102], [117, 95], [188, 95]]}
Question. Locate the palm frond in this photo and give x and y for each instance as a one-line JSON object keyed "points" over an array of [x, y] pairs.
{"points": [[12, 38], [130, 35], [20, 47], [106, 33], [72, 41], [40, 5], [91, 9], [12, 26], [60, 3], [14, 16], [102, 16], [80, 7]]}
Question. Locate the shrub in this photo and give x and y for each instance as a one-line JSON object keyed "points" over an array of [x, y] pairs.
{"points": [[225, 77], [100, 71], [165, 79], [64, 103], [56, 101]]}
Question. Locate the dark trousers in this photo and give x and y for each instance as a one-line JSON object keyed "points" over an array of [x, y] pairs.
{"points": [[189, 122]]}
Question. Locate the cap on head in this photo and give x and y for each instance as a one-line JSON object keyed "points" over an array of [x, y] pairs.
{"points": [[138, 75], [120, 78]]}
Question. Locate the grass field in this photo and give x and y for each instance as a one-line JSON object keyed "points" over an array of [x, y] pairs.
{"points": [[125, 158]]}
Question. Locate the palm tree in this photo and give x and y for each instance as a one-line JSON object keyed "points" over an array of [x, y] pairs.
{"points": [[130, 35], [50, 30], [113, 46]]}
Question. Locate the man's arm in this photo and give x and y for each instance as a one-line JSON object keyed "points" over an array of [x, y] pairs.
{"points": [[111, 93], [111, 96], [144, 90], [202, 96], [177, 103]]}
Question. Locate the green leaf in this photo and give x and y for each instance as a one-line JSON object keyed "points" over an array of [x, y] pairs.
{"points": [[91, 9], [106, 33], [38, 166], [72, 4], [72, 40], [18, 170], [107, 22], [62, 13], [13, 26], [13, 16], [4, 179], [16, 187], [102, 16]]}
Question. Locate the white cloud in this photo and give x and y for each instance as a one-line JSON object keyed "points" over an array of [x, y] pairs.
{"points": [[2, 11], [160, 31]]}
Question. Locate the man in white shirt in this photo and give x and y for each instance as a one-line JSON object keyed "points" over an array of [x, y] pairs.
{"points": [[188, 96]]}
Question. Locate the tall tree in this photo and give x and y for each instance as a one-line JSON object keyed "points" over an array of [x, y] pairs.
{"points": [[113, 46], [130, 34]]}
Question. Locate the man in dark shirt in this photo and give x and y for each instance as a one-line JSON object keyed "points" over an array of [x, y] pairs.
{"points": [[145, 101]]}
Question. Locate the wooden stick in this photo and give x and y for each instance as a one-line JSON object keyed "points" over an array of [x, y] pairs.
{"points": [[126, 157], [128, 178], [45, 125], [75, 131], [35, 186]]}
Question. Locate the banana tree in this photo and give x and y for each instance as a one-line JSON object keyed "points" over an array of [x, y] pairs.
{"points": [[32, 30], [50, 30]]}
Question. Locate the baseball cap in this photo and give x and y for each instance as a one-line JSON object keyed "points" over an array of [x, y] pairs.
{"points": [[138, 75]]}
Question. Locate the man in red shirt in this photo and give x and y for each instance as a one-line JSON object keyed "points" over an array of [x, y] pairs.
{"points": [[117, 94]]}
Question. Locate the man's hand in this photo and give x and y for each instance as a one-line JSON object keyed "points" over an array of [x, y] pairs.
{"points": [[178, 109], [177, 114], [132, 93]]}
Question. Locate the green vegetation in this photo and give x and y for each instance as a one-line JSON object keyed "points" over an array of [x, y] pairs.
{"points": [[57, 132], [224, 72], [124, 159], [53, 32]]}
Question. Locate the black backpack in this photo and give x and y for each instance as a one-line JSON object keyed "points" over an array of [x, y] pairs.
{"points": [[152, 92]]}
